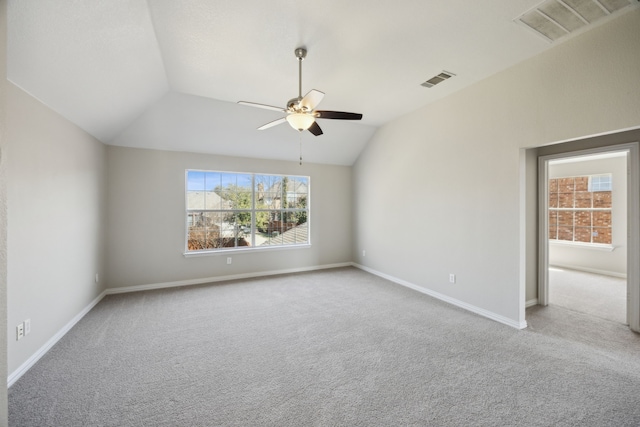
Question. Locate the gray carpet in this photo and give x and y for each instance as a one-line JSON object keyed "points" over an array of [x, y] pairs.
{"points": [[595, 294], [330, 348]]}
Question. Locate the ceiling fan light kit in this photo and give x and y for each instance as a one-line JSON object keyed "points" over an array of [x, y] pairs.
{"points": [[300, 121], [301, 112]]}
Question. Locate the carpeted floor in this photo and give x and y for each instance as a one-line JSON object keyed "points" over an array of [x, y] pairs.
{"points": [[594, 294], [329, 348]]}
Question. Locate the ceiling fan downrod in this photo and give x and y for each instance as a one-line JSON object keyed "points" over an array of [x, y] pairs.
{"points": [[301, 53]]}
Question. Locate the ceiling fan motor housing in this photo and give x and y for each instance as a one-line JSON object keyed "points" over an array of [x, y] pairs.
{"points": [[293, 104]]}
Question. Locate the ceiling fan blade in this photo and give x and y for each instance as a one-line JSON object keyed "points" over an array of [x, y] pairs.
{"points": [[311, 99], [266, 107], [273, 123], [337, 115], [315, 129]]}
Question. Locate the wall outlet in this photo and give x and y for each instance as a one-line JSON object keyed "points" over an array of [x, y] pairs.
{"points": [[364, 252], [27, 326], [229, 260], [97, 278], [19, 331], [452, 278]]}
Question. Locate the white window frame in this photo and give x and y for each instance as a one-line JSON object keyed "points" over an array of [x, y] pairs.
{"points": [[594, 185], [253, 210]]}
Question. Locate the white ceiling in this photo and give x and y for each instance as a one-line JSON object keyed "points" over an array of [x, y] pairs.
{"points": [[167, 74]]}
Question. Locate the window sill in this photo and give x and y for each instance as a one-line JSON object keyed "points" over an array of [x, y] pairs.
{"points": [[244, 250], [592, 246]]}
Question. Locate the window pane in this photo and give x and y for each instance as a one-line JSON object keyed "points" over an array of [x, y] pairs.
{"points": [[582, 183], [583, 199], [602, 199], [602, 219], [565, 233], [214, 201], [583, 234], [565, 200], [583, 219], [195, 200], [566, 185], [203, 230], [301, 233], [212, 180], [602, 235], [195, 181], [196, 239], [565, 218], [600, 183], [553, 232]]}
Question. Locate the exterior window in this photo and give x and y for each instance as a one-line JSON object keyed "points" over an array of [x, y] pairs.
{"points": [[230, 210], [600, 182], [580, 209]]}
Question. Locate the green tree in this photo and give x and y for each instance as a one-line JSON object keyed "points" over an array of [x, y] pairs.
{"points": [[238, 198]]}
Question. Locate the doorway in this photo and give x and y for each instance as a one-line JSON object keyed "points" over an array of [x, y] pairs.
{"points": [[587, 241], [567, 241]]}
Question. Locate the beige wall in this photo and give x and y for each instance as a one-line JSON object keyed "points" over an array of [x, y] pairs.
{"points": [[3, 211], [146, 218], [56, 199], [412, 179]]}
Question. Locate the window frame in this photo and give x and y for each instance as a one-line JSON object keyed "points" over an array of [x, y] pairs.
{"points": [[574, 210], [252, 210]]}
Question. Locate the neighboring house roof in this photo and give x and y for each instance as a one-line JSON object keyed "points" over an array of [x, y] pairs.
{"points": [[296, 235], [298, 187], [205, 200]]}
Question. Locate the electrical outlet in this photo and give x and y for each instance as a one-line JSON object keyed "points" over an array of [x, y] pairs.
{"points": [[364, 252], [97, 278], [452, 278], [19, 331], [27, 327], [229, 260]]}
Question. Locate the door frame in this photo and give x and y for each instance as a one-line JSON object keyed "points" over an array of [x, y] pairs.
{"points": [[633, 225]]}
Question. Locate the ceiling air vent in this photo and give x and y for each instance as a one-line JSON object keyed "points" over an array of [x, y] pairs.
{"points": [[437, 79], [554, 19]]}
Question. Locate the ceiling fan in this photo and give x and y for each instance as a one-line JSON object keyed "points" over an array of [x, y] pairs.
{"points": [[301, 112]]}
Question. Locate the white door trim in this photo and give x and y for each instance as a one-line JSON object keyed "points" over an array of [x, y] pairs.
{"points": [[633, 225]]}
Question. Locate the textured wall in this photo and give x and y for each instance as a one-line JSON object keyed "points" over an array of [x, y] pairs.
{"points": [[415, 172], [146, 218]]}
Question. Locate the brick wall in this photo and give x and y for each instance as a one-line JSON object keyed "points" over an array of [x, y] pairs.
{"points": [[571, 214]]}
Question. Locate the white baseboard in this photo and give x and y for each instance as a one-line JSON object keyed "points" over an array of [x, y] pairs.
{"points": [[15, 375], [472, 308], [590, 270], [531, 302], [204, 280]]}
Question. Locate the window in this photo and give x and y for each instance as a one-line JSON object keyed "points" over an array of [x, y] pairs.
{"points": [[580, 209], [229, 210], [600, 182]]}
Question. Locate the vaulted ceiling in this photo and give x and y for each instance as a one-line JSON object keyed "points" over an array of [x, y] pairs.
{"points": [[167, 74]]}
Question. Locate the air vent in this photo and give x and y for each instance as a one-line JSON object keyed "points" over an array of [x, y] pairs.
{"points": [[437, 79], [554, 19]]}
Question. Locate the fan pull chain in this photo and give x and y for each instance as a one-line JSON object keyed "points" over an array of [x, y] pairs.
{"points": [[300, 135]]}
